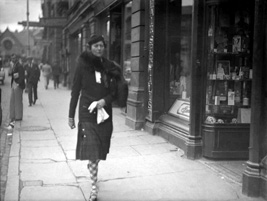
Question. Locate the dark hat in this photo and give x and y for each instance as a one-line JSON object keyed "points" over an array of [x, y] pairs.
{"points": [[14, 56], [95, 39]]}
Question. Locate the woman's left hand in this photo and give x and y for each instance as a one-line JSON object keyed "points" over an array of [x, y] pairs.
{"points": [[101, 103], [97, 104]]}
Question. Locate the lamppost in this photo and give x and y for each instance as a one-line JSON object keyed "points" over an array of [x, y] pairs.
{"points": [[28, 34]]}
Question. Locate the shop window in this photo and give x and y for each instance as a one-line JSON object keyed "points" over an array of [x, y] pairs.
{"points": [[127, 41], [103, 28], [79, 41], [106, 34], [229, 63], [115, 36], [85, 36], [180, 37]]}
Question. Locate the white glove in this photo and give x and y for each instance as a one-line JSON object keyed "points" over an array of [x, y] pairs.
{"points": [[92, 106], [99, 104]]}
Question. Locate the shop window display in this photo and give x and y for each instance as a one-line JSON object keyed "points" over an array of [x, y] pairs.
{"points": [[229, 73], [127, 41], [180, 23]]}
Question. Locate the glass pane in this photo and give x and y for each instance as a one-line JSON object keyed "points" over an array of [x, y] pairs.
{"points": [[180, 28], [115, 37], [127, 41], [104, 29], [229, 63]]}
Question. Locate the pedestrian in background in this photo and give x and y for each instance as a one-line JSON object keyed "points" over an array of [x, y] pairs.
{"points": [[17, 86], [56, 71], [47, 70], [33, 77], [40, 65], [94, 82], [26, 65]]}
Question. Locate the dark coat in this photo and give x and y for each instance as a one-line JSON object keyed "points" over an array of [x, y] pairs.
{"points": [[33, 74], [86, 87], [56, 70], [93, 139], [20, 79]]}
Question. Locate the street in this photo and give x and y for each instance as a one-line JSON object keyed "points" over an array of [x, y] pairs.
{"points": [[140, 166]]}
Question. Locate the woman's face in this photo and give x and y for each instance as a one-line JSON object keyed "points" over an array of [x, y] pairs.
{"points": [[98, 49]]}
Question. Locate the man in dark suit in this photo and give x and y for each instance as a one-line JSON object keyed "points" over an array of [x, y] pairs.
{"points": [[33, 76]]}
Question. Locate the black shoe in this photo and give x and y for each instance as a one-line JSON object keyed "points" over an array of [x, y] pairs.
{"points": [[34, 101], [10, 126], [30, 105], [93, 195], [92, 198]]}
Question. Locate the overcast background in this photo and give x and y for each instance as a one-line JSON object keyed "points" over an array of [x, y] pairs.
{"points": [[14, 11]]}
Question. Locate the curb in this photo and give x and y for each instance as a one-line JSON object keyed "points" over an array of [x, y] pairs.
{"points": [[12, 185]]}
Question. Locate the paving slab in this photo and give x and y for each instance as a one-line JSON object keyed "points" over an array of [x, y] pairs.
{"points": [[128, 133], [152, 139], [49, 173], [52, 193], [70, 154], [12, 189], [115, 168], [151, 149], [37, 135], [15, 148], [67, 142], [38, 153], [66, 132], [122, 152], [127, 141], [39, 143], [178, 162], [13, 169], [79, 168]]}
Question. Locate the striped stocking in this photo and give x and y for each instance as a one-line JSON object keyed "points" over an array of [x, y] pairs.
{"points": [[93, 169]]}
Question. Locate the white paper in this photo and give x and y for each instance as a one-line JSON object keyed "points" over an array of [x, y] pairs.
{"points": [[97, 77], [102, 115]]}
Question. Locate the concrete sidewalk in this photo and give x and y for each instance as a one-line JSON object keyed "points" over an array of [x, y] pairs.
{"points": [[140, 166]]}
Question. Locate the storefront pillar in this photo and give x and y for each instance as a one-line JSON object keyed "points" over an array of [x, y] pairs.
{"points": [[194, 141], [136, 107], [254, 177]]}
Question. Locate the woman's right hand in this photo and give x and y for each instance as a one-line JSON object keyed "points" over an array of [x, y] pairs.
{"points": [[71, 123]]}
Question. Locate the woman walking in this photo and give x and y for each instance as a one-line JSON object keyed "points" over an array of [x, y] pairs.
{"points": [[94, 85]]}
